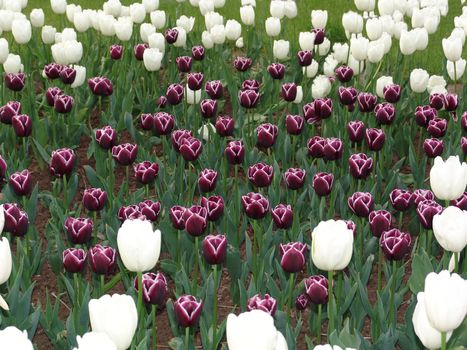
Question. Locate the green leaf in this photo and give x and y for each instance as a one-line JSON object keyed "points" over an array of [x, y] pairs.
{"points": [[421, 266]]}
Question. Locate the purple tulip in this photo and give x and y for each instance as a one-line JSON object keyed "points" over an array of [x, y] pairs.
{"points": [[116, 51], [74, 260], [267, 304], [248, 98], [106, 137], [8, 111], [16, 220], [463, 121], [322, 107], [395, 244], [256, 206], [103, 259], [460, 202], [100, 86], [289, 92], [150, 209], [207, 180], [214, 249], [380, 221], [195, 219], [420, 195], [344, 74], [235, 152], [360, 165], [214, 89], [366, 102], [94, 199], [322, 183], [214, 206], [260, 174], [316, 288], [3, 167], [130, 212], [176, 217], [294, 124], [276, 71], [147, 121], [361, 203], [385, 113], [61, 162], [22, 125], [52, 70], [187, 310], [162, 101], [242, 63], [15, 81], [450, 102], [351, 226], [21, 182], [437, 127], [433, 147], [375, 138], [125, 153], [437, 101], [225, 125], [294, 178], [333, 149], [163, 123], [426, 210], [302, 302], [195, 81], [464, 144], [208, 108], [79, 230], [68, 75], [63, 103], [155, 288], [423, 114], [184, 63], [50, 95], [282, 215], [293, 256], [392, 93], [305, 58], [356, 131], [138, 50], [146, 172], [171, 35], [174, 94], [319, 35], [197, 52], [266, 135], [250, 84], [191, 148], [347, 95], [309, 113]]}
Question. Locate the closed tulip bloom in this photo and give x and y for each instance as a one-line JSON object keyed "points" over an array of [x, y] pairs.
{"points": [[309, 113], [94, 199], [256, 206], [250, 84], [450, 102], [63, 103], [115, 316], [282, 216], [426, 210], [100, 86], [207, 179], [437, 127], [195, 81], [125, 154], [319, 18], [190, 148], [208, 108], [452, 48], [294, 178], [79, 230], [400, 199], [106, 137], [195, 220], [380, 221], [302, 302], [437, 101], [235, 152], [225, 125], [332, 243], [385, 113], [3, 168], [15, 81], [352, 22], [61, 162], [74, 260], [214, 89], [130, 212], [138, 51], [272, 26], [198, 52], [214, 249], [366, 102], [8, 111], [319, 36], [67, 75], [214, 206], [266, 135], [146, 172], [21, 30], [163, 123], [348, 96], [322, 107], [187, 310], [174, 94], [50, 95], [6, 260], [423, 115], [91, 340], [147, 121], [176, 214], [248, 98], [247, 15], [260, 174], [116, 52], [150, 209], [356, 131], [152, 59], [21, 183], [294, 124], [395, 244], [375, 138], [184, 63], [420, 195], [316, 288], [445, 300], [322, 183], [433, 147], [360, 165], [22, 125], [16, 220], [448, 178], [13, 338], [52, 70], [155, 288], [419, 80], [450, 229], [361, 203], [333, 149], [392, 93], [293, 256], [344, 74], [289, 91], [242, 63], [266, 304]]}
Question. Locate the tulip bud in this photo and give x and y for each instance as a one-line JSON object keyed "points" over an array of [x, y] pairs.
{"points": [[294, 124], [21, 183], [150, 209], [52, 70], [130, 212], [242, 63], [282, 216], [302, 302], [61, 162], [176, 215], [79, 229], [214, 89], [184, 63], [380, 221], [15, 81], [3, 167], [344, 74], [356, 131], [426, 210], [385, 113], [366, 102], [463, 121], [187, 310], [155, 288], [116, 52], [433, 147], [460, 202], [375, 138], [276, 70], [248, 98], [106, 137], [395, 244], [235, 152], [294, 178], [22, 125], [464, 144], [125, 154], [171, 35], [423, 115], [260, 174], [16, 220], [146, 172], [400, 199], [361, 203], [208, 108], [293, 256], [197, 52], [195, 220], [316, 288], [322, 183], [266, 135], [448, 178], [50, 95], [214, 249], [255, 205], [392, 93], [360, 165], [225, 125], [100, 86], [174, 94], [74, 260], [214, 206], [267, 304], [207, 180], [437, 127], [195, 81], [8, 111], [94, 199]]}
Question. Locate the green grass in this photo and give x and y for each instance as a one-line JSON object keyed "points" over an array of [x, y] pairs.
{"points": [[431, 59]]}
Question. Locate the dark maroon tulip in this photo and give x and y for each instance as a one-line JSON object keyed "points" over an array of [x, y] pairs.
{"points": [[63, 103], [15, 81], [214, 206], [463, 121], [163, 123], [347, 95], [16, 220], [214, 249], [294, 178], [309, 113], [195, 219], [360, 165], [293, 256], [178, 136], [171, 35], [437, 127], [21, 183], [420, 195], [450, 102], [250, 84], [22, 125], [103, 259], [74, 260], [94, 199], [100, 86], [380, 221], [147, 121], [304, 58], [344, 74], [460, 202], [294, 124], [426, 210], [52, 70], [356, 130], [437, 101], [214, 89], [248, 98], [333, 149], [392, 93], [385, 113], [208, 108], [8, 111], [289, 91], [423, 114], [260, 174], [282, 215], [266, 135], [302, 302], [323, 107], [3, 167], [225, 125], [161, 101], [150, 209], [242, 63], [155, 288], [138, 50], [106, 137], [322, 183], [191, 148], [146, 172], [61, 162], [116, 52], [256, 206], [187, 310], [433, 147], [130, 212], [174, 94], [464, 144], [267, 304], [235, 152], [184, 64], [351, 226], [68, 75], [375, 138], [125, 153], [395, 244], [276, 71], [361, 203], [316, 146], [207, 180], [366, 102], [197, 52], [319, 35], [195, 81], [176, 217], [316, 288], [79, 230], [50, 95]]}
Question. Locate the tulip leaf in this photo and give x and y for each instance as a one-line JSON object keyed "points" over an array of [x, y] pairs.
{"points": [[42, 152], [421, 266]]}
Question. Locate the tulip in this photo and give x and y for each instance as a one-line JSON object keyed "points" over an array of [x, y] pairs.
{"points": [[235, 152], [282, 216], [360, 165], [448, 178], [93, 340], [266, 304], [115, 316], [305, 58], [94, 199], [352, 22], [146, 172], [6, 260], [293, 256], [255, 205], [15, 81], [260, 174], [302, 302], [289, 91], [74, 260], [197, 52], [100, 86], [395, 244], [400, 199], [214, 248], [16, 220], [316, 146], [130, 212], [356, 131], [152, 59], [294, 124], [8, 111], [106, 137], [63, 103], [21, 30], [187, 310], [21, 182], [380, 221], [79, 229], [12, 64], [214, 89], [250, 84], [190, 148], [375, 138], [266, 135], [13, 338], [125, 154], [61, 162], [178, 136], [207, 180], [455, 69], [67, 75], [176, 214], [195, 220], [344, 74], [419, 80], [163, 123], [333, 149], [366, 102], [272, 26], [319, 19], [433, 147], [155, 288], [195, 80], [321, 87], [242, 63], [233, 30], [247, 15], [452, 48], [214, 206], [423, 115], [52, 70], [450, 102], [361, 203], [139, 49], [316, 288], [150, 209], [294, 178], [3, 167], [392, 93], [281, 49], [22, 125], [208, 108], [426, 210], [225, 125], [50, 95], [174, 94], [450, 230], [437, 101], [322, 183]]}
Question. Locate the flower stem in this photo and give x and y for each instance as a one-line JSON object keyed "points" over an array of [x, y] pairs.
{"points": [[140, 299], [380, 266], [456, 261], [214, 317], [318, 333], [154, 325], [289, 304], [330, 306], [392, 307], [187, 337], [443, 340], [196, 266]]}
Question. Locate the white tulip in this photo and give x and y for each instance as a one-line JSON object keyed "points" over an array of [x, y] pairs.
{"points": [[181, 38], [243, 330], [386, 7], [68, 34], [145, 30], [80, 76], [48, 34], [137, 12], [438, 89], [113, 8], [329, 66], [306, 41], [150, 5], [381, 83], [311, 70], [445, 300], [281, 49], [13, 5], [421, 38], [419, 80], [365, 5], [374, 28], [13, 338], [273, 26], [398, 28], [332, 244], [206, 39], [37, 18], [239, 43], [219, 3], [95, 341], [157, 41], [2, 219], [233, 29], [158, 19], [71, 10], [406, 43], [108, 25], [290, 9], [152, 59], [431, 24], [194, 3], [448, 178], [319, 18], [58, 6], [452, 48], [459, 34], [324, 47], [387, 23], [418, 18], [213, 18], [21, 30], [450, 229], [359, 48], [206, 129], [247, 15], [4, 51], [357, 66], [12, 64], [321, 87], [276, 8], [375, 51], [82, 21], [186, 23], [123, 28], [458, 72], [218, 34], [340, 52], [7, 19], [352, 22], [115, 316], [206, 6], [5, 259], [299, 96], [125, 11], [435, 81]]}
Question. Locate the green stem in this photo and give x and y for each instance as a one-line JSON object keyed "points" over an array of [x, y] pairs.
{"points": [[380, 265], [318, 333], [154, 325], [392, 307], [214, 317], [456, 261], [187, 337], [196, 266], [429, 240], [443, 340], [65, 193], [289, 304], [140, 300], [330, 306], [102, 284]]}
